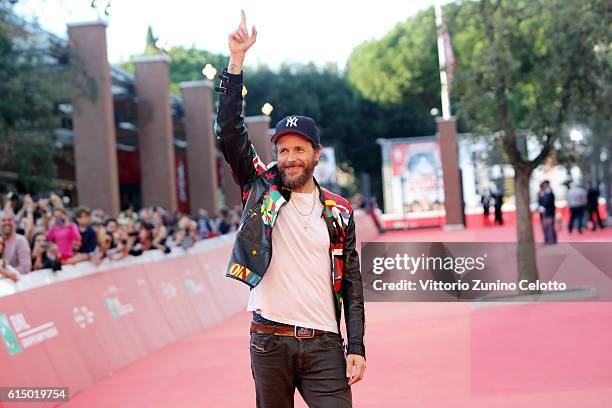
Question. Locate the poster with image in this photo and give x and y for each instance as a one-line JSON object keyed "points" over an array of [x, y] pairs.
{"points": [[417, 176]]}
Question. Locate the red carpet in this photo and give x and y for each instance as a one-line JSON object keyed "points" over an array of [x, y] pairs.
{"points": [[419, 355]]}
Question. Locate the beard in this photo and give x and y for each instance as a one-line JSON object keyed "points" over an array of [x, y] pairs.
{"points": [[299, 179]]}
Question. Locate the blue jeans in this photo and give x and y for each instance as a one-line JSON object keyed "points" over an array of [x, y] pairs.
{"points": [[315, 366]]}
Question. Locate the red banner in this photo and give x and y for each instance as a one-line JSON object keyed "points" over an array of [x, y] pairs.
{"points": [[54, 317], [113, 326], [172, 296], [147, 315], [73, 333]]}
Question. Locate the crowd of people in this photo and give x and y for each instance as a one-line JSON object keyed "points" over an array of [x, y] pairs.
{"points": [[41, 233], [583, 208], [582, 204]]}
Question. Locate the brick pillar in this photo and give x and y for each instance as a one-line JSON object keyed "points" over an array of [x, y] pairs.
{"points": [[258, 127], [201, 146], [95, 150], [231, 191], [155, 138], [453, 201]]}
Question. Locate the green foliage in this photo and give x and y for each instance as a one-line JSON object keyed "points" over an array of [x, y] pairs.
{"points": [[30, 89], [186, 64], [34, 163], [400, 68], [550, 59], [532, 66]]}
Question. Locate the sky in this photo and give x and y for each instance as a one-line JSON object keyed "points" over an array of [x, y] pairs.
{"points": [[320, 31]]}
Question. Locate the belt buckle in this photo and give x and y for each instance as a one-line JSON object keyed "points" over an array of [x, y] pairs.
{"points": [[303, 332]]}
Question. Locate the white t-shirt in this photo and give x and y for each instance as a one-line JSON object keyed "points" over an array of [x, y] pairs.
{"points": [[297, 287]]}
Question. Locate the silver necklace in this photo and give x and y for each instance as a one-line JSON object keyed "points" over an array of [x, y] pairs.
{"points": [[305, 217]]}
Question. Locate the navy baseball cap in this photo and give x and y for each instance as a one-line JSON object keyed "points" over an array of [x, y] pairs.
{"points": [[301, 125]]}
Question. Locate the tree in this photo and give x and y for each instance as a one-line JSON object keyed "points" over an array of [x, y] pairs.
{"points": [[150, 43], [402, 67], [531, 68], [186, 64], [525, 69], [30, 88]]}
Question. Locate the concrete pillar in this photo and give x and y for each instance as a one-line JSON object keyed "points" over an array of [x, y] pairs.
{"points": [[201, 146], [453, 202], [95, 150], [155, 138], [258, 127]]}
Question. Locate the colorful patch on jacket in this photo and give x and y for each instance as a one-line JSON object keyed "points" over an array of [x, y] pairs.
{"points": [[337, 264], [271, 204], [243, 273], [257, 163], [339, 210]]}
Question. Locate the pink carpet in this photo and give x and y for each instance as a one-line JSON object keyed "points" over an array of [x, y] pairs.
{"points": [[419, 354]]}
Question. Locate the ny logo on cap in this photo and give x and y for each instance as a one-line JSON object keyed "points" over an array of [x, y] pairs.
{"points": [[292, 121]]}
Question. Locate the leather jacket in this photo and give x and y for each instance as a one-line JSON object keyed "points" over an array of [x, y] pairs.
{"points": [[263, 196]]}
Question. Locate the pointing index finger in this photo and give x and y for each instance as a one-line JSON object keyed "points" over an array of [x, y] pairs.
{"points": [[242, 17]]}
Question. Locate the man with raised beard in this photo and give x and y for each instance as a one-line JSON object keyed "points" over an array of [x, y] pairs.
{"points": [[299, 289]]}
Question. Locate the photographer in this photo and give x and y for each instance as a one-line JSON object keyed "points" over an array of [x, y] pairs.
{"points": [[121, 243], [45, 254], [146, 241]]}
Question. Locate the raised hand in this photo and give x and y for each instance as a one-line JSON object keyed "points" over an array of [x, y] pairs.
{"points": [[240, 40]]}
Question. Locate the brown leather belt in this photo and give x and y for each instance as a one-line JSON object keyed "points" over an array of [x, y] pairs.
{"points": [[293, 331]]}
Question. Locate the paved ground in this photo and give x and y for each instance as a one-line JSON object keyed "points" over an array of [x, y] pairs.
{"points": [[419, 354]]}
